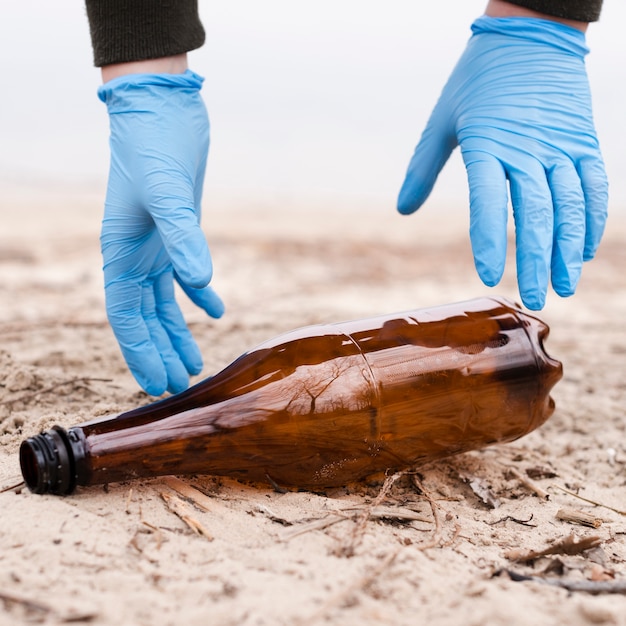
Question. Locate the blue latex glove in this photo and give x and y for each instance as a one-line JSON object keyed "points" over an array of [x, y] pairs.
{"points": [[518, 104], [151, 231]]}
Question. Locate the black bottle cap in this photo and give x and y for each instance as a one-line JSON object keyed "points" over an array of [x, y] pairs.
{"points": [[47, 462]]}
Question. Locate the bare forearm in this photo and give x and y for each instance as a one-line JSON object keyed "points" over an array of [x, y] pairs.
{"points": [[166, 65]]}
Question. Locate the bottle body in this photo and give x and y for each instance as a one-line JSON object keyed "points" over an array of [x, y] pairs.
{"points": [[325, 405]]}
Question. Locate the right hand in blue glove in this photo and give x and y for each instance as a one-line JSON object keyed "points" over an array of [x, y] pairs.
{"points": [[151, 235], [518, 104]]}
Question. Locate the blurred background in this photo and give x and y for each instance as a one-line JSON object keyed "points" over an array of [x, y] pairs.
{"points": [[310, 102]]}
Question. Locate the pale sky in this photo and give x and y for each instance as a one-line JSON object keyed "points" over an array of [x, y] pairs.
{"points": [[309, 101]]}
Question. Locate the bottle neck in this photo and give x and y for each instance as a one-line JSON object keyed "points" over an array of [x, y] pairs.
{"points": [[51, 461]]}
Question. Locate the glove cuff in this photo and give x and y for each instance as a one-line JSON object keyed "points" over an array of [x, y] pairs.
{"points": [[135, 82], [547, 32]]}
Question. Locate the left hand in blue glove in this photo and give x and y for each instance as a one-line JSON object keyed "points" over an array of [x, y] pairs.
{"points": [[518, 104], [151, 231]]}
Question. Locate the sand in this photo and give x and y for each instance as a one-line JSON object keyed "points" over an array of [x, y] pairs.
{"points": [[433, 546]]}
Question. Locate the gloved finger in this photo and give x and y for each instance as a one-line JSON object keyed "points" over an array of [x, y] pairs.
{"points": [[187, 247], [534, 227], [172, 320], [204, 298], [433, 150], [177, 376], [171, 205], [488, 213], [569, 227], [596, 190], [123, 305]]}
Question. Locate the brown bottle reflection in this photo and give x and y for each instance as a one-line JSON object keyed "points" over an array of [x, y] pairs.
{"points": [[325, 405]]}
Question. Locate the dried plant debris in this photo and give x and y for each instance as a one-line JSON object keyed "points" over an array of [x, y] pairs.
{"points": [[589, 501], [273, 517], [189, 493], [482, 489], [510, 518], [348, 548], [599, 578], [539, 472], [574, 516], [180, 509], [569, 545], [529, 483], [588, 586]]}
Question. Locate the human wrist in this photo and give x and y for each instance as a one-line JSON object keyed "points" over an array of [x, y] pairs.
{"points": [[176, 64], [501, 8]]}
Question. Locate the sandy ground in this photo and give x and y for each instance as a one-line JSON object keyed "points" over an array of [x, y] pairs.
{"points": [[119, 555]]}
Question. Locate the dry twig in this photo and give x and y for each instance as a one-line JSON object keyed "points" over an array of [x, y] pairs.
{"points": [[359, 528], [530, 484], [178, 507], [436, 539], [129, 497], [190, 493], [156, 530], [380, 512], [588, 586], [578, 517], [510, 518], [569, 545], [265, 510], [575, 495], [318, 524], [482, 490], [400, 514], [14, 485]]}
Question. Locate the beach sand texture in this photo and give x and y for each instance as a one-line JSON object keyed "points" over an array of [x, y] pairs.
{"points": [[442, 545]]}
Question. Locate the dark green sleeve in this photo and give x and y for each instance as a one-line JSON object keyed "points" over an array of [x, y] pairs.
{"points": [[581, 10], [135, 30]]}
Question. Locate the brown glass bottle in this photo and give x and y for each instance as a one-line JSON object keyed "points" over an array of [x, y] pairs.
{"points": [[326, 405]]}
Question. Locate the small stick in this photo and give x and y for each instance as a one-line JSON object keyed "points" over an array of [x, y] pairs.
{"points": [[390, 512], [588, 586], [129, 498], [575, 495], [510, 518], [569, 545], [11, 487], [527, 482], [177, 506], [361, 523], [318, 524], [379, 512], [190, 493], [578, 517], [434, 507], [265, 510], [155, 529]]}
